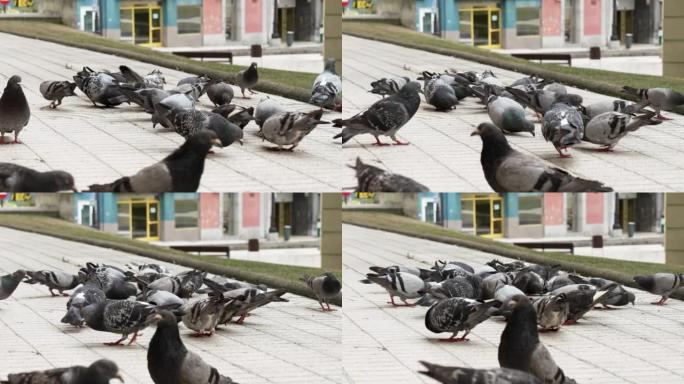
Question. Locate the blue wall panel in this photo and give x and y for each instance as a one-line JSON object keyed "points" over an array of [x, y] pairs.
{"points": [[510, 205]]}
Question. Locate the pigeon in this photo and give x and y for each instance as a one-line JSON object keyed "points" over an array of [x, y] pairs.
{"points": [[488, 77], [462, 375], [162, 110], [14, 110], [388, 86], [592, 110], [563, 279], [324, 287], [55, 91], [161, 298], [17, 178], [327, 88], [557, 88], [170, 362], [183, 285], [203, 315], [242, 118], [61, 281], [374, 179], [457, 314], [192, 91], [508, 115], [540, 100], [531, 80], [9, 283], [617, 295], [581, 297], [241, 301], [266, 108], [119, 316], [563, 125], [88, 293], [521, 349], [247, 79], [506, 293], [188, 122], [468, 287], [154, 79], [224, 110], [179, 172], [111, 280], [662, 284], [404, 285], [493, 282], [608, 128], [384, 117], [508, 170], [289, 128], [552, 311], [99, 372], [102, 88], [147, 98], [194, 80], [220, 93], [424, 274], [529, 282], [658, 98], [439, 93]]}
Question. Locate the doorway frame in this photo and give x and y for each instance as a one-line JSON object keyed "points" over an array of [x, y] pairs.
{"points": [[147, 201], [489, 8], [491, 198], [150, 7]]}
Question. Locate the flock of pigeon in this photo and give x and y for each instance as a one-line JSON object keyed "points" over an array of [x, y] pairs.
{"points": [[532, 299], [124, 301], [174, 109], [565, 121]]}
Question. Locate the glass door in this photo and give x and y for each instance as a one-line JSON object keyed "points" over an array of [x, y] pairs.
{"points": [[480, 28], [141, 24], [483, 214], [494, 28], [153, 220]]}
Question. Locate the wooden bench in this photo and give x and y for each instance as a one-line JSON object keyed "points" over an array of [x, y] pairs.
{"points": [[203, 248], [545, 56], [206, 54], [547, 245]]}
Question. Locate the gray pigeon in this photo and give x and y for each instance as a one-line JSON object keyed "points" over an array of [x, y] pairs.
{"points": [[424, 274], [617, 295], [508, 170], [247, 79], [552, 311], [592, 110], [119, 316], [155, 79], [462, 375], [188, 122], [145, 97], [88, 293], [220, 93], [403, 285], [385, 117], [529, 282], [61, 281], [194, 80], [581, 297], [170, 362], [9, 283], [192, 91], [457, 314], [521, 349], [374, 179], [327, 88], [388, 86], [540, 100], [467, 287], [162, 110], [662, 284], [16, 178], [242, 118], [563, 125], [266, 108], [202, 316], [14, 110], [438, 93], [99, 372], [242, 301], [608, 128], [289, 128], [563, 279], [55, 91], [102, 88], [493, 282], [324, 287], [508, 115], [659, 98]]}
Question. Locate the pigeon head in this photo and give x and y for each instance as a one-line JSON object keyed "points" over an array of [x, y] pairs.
{"points": [[165, 319], [102, 371], [570, 99], [205, 139], [431, 321], [19, 274], [330, 65], [493, 140], [224, 110], [410, 88], [253, 65], [647, 118], [14, 80]]}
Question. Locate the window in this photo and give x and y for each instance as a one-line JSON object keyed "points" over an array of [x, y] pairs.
{"points": [[186, 210], [189, 19], [467, 214], [527, 20], [124, 216], [126, 17], [464, 26], [529, 208]]}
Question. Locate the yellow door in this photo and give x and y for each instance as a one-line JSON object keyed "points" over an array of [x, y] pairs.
{"points": [[485, 25], [142, 215], [141, 24], [485, 213]]}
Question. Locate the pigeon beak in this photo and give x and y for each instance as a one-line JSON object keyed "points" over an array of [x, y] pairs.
{"points": [[475, 133], [241, 142], [119, 376], [216, 142], [157, 317]]}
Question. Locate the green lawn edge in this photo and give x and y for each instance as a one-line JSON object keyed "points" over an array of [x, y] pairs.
{"points": [[272, 275], [595, 80], [290, 84], [617, 270]]}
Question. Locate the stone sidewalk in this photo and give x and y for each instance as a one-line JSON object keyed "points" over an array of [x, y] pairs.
{"points": [[382, 344], [444, 156], [100, 145], [280, 343]]}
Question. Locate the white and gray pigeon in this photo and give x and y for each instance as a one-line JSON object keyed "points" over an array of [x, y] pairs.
{"points": [[457, 314], [266, 108], [170, 362], [192, 91], [325, 287], [424, 274], [327, 88], [563, 125], [384, 118], [581, 297], [493, 282], [203, 315], [290, 128], [552, 311], [540, 100], [463, 375], [123, 317], [521, 349], [508, 115], [220, 93], [102, 88], [592, 110], [8, 283], [155, 79], [247, 79], [373, 179], [401, 284], [99, 372], [468, 287], [388, 86], [14, 110], [616, 296], [245, 301], [438, 92], [662, 284], [659, 98], [508, 170], [162, 109], [190, 121], [17, 178], [55, 91], [89, 292], [608, 128], [59, 280]]}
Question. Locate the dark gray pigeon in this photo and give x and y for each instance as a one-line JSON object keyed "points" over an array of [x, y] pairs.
{"points": [[102, 88], [562, 279], [424, 274], [220, 93], [242, 301], [552, 311], [457, 314], [608, 128], [170, 362], [438, 92], [508, 115], [467, 287], [188, 122], [290, 128], [88, 293], [14, 110], [55, 91], [247, 79], [324, 287], [521, 349], [508, 170], [374, 179], [462, 375], [99, 372], [403, 285], [662, 284], [61, 281], [145, 97], [563, 125], [658, 98], [194, 80], [529, 282], [123, 317], [9, 283], [242, 117], [493, 282], [266, 108], [384, 118], [327, 88], [592, 110], [616, 296], [16, 178], [388, 86], [581, 297], [181, 171]]}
